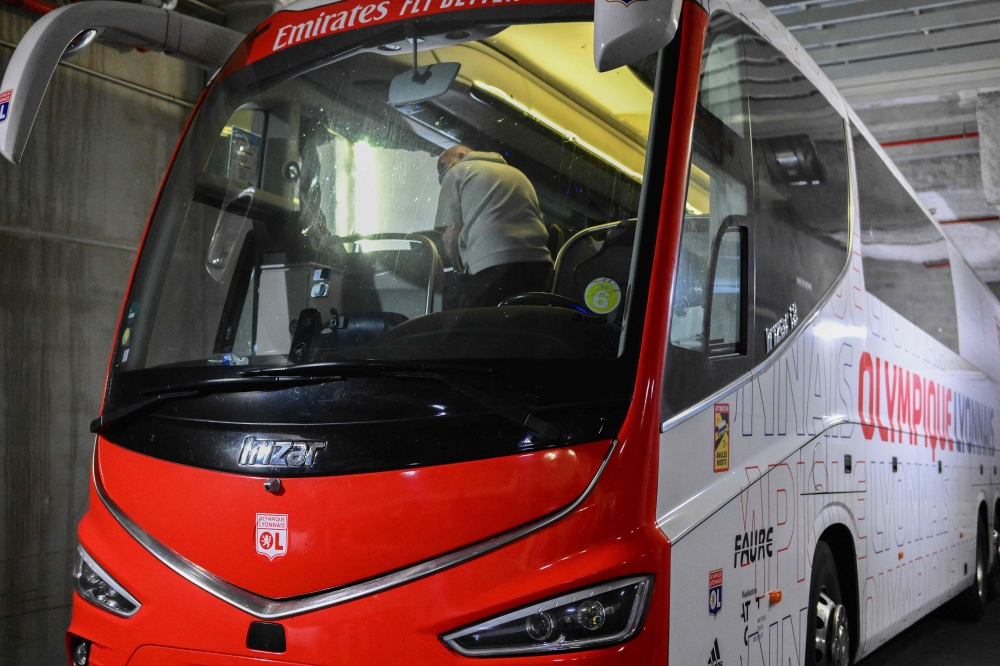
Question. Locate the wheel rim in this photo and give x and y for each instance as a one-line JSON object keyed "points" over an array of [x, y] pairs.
{"points": [[833, 639]]}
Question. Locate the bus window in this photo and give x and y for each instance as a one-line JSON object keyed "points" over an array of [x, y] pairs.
{"points": [[317, 213], [904, 256], [709, 316], [802, 191]]}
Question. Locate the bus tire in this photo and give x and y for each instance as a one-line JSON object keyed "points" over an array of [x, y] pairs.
{"points": [[971, 604], [993, 589], [828, 641]]}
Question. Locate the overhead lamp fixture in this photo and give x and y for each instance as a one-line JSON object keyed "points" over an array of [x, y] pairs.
{"points": [[566, 134]]}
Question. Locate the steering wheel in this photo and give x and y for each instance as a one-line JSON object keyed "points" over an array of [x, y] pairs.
{"points": [[544, 298]]}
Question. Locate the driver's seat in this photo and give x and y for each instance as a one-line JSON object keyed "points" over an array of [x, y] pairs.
{"points": [[584, 259]]}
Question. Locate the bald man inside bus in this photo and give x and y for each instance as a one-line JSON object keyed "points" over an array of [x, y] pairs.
{"points": [[493, 231]]}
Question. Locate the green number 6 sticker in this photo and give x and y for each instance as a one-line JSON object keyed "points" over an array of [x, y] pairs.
{"points": [[602, 295]]}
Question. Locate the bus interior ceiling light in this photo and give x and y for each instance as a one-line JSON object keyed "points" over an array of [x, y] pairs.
{"points": [[557, 128]]}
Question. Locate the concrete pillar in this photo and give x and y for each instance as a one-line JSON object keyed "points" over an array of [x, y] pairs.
{"points": [[988, 119], [71, 217]]}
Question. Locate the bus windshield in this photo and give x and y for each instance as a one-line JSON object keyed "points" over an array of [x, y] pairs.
{"points": [[317, 211]]}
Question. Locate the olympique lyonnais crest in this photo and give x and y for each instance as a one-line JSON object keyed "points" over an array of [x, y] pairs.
{"points": [[272, 534], [714, 592]]}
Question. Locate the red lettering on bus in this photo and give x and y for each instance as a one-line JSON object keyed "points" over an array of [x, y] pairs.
{"points": [[867, 425], [917, 403]]}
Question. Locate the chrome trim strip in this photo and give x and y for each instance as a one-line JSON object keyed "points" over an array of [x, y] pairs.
{"points": [[274, 609], [743, 379], [717, 505], [686, 413]]}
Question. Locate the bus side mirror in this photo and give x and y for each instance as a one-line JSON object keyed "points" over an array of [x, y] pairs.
{"points": [[627, 30], [43, 46]]}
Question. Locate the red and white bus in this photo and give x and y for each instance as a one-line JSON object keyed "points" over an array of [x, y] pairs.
{"points": [[751, 421]]}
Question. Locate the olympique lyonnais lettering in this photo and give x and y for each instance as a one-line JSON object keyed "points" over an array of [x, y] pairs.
{"points": [[753, 546], [915, 405]]}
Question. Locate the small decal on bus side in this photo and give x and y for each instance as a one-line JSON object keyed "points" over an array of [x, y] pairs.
{"points": [[721, 439], [776, 333], [714, 592], [5, 103]]}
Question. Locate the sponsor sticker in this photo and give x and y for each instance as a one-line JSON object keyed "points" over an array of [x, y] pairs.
{"points": [[721, 439], [5, 103], [714, 592], [272, 534], [715, 655], [602, 295]]}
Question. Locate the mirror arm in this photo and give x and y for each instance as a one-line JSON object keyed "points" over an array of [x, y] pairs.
{"points": [[31, 67]]}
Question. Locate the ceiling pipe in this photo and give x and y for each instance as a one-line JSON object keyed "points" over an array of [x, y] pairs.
{"points": [[931, 139]]}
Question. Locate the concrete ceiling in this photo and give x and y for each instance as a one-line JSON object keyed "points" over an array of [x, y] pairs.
{"points": [[915, 71]]}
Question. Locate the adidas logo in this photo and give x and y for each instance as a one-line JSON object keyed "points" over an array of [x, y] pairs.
{"points": [[715, 657]]}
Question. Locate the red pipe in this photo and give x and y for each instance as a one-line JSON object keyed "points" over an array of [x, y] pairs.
{"points": [[994, 218], [36, 6], [931, 139]]}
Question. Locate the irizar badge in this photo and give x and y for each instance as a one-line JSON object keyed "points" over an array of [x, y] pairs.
{"points": [[272, 534]]}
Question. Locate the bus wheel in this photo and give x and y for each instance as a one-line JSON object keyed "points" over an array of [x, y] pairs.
{"points": [[829, 634], [972, 603], [993, 588]]}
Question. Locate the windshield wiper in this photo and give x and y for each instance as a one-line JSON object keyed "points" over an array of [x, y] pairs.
{"points": [[505, 408], [269, 379], [200, 387], [359, 367], [443, 372]]}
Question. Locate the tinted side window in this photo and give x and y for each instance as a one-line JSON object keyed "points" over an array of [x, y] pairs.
{"points": [[802, 192], [905, 257], [709, 324]]}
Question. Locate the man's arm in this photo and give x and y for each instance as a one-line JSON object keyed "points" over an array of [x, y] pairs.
{"points": [[451, 247], [449, 219]]}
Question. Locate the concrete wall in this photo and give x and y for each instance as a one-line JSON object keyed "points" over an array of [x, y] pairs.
{"points": [[71, 217]]}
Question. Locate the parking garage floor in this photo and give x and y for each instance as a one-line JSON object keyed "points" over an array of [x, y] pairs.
{"points": [[940, 640]]}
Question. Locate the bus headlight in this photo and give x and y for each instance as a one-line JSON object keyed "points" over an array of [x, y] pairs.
{"points": [[96, 586], [593, 617]]}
